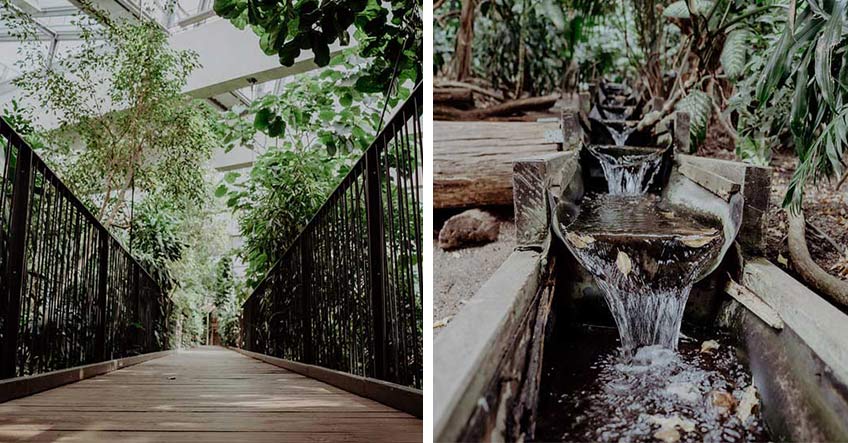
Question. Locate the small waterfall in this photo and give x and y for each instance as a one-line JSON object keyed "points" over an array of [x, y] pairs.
{"points": [[645, 257], [619, 138], [628, 174]]}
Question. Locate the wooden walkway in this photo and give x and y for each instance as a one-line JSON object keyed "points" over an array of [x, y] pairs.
{"points": [[204, 395]]}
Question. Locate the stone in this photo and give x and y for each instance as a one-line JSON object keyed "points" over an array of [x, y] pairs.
{"points": [[470, 228], [709, 346], [748, 403]]}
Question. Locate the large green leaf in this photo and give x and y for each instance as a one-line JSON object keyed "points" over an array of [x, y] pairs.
{"points": [[825, 46], [699, 107], [734, 53], [680, 9]]}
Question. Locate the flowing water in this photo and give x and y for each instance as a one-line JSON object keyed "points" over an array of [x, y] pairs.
{"points": [[590, 392], [620, 136], [645, 255], [628, 174]]}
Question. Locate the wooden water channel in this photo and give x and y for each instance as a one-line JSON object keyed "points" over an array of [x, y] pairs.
{"points": [[496, 358], [209, 394]]}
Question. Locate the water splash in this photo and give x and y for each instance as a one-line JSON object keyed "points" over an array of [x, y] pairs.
{"points": [[695, 395], [628, 174], [645, 256]]}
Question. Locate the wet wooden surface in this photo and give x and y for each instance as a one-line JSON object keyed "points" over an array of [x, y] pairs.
{"points": [[207, 394]]}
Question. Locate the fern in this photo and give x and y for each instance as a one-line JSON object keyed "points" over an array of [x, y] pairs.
{"points": [[699, 107], [735, 52]]}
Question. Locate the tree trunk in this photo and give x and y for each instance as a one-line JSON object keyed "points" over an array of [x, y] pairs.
{"points": [[459, 98], [464, 40], [811, 272]]}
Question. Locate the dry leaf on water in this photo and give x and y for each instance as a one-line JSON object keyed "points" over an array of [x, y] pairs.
{"points": [[623, 262], [695, 241], [579, 241], [709, 346]]}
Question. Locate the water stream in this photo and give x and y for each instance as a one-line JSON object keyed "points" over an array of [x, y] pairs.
{"points": [[645, 255], [628, 174]]}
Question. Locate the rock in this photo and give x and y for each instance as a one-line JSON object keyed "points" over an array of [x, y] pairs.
{"points": [[723, 401], [623, 262], [748, 403], [709, 346], [469, 228]]}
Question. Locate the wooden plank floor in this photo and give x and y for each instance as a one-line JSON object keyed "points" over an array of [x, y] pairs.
{"points": [[204, 395]]}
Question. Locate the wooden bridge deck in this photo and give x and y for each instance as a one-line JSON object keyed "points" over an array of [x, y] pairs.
{"points": [[203, 395]]}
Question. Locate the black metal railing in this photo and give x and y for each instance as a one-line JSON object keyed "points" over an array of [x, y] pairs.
{"points": [[70, 294], [347, 294]]}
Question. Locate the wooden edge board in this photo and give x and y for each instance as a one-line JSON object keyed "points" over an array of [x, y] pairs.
{"points": [[715, 183], [18, 387], [402, 398], [469, 351], [754, 304]]}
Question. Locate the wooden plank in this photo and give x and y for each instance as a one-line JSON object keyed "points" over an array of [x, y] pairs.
{"points": [[207, 394], [754, 304], [715, 183], [472, 161], [396, 396]]}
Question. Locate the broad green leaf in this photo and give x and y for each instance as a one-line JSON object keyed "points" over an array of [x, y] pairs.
{"points": [[734, 53], [263, 119], [699, 107], [826, 44], [221, 190]]}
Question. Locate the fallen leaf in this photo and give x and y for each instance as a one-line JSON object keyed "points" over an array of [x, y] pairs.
{"points": [[623, 262], [668, 435], [709, 346], [441, 323], [782, 260], [579, 241], [723, 401], [748, 403], [669, 214], [695, 242]]}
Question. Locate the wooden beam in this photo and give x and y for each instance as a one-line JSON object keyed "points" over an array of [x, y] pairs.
{"points": [[32, 384], [754, 304], [473, 161]]}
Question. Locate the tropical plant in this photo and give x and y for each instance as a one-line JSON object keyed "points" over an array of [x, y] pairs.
{"points": [[715, 37], [810, 60], [525, 45], [307, 136], [119, 94]]}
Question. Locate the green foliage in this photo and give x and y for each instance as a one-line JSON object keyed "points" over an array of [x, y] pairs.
{"points": [[389, 34], [119, 94], [734, 53], [810, 60], [156, 238], [699, 106], [680, 8], [316, 111], [522, 42], [283, 191]]}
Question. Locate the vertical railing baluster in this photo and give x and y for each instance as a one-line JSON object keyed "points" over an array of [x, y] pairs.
{"points": [[102, 288], [16, 263], [376, 254], [305, 278]]}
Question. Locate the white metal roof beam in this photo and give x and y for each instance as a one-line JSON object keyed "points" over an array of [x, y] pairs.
{"points": [[231, 59]]}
